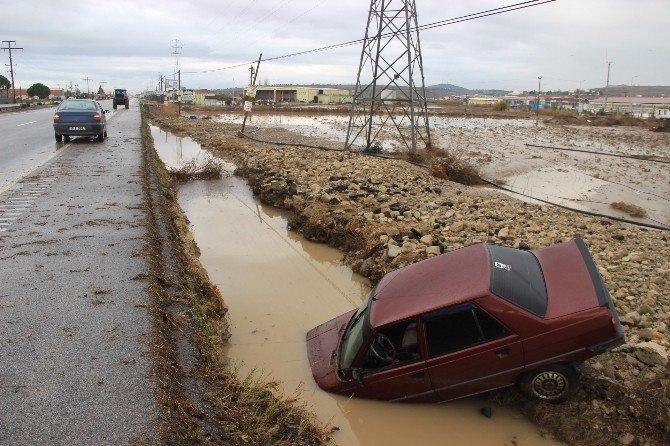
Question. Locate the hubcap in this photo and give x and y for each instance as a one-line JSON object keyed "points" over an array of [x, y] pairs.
{"points": [[549, 385]]}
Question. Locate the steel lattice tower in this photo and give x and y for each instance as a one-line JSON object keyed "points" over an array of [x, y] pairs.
{"points": [[390, 88]]}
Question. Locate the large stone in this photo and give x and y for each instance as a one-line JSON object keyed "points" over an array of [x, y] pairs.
{"points": [[393, 251], [504, 233], [457, 227], [433, 250], [651, 353], [627, 439], [427, 240]]}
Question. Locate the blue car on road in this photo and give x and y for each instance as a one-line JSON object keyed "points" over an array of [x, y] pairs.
{"points": [[80, 117]]}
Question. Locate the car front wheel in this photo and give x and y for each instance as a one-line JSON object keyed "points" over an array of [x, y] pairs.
{"points": [[551, 384]]}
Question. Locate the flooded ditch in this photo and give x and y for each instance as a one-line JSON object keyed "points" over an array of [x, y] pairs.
{"points": [[277, 286]]}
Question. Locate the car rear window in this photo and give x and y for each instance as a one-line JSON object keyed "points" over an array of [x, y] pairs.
{"points": [[78, 105], [516, 276]]}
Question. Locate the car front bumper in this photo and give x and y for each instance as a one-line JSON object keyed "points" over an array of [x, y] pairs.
{"points": [[88, 129]]}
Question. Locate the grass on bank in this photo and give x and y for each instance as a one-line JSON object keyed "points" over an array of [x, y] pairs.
{"points": [[207, 168]]}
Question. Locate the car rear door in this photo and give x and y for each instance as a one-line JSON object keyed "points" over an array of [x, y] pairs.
{"points": [[469, 352]]}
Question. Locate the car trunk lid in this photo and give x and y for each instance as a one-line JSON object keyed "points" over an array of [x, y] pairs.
{"points": [[571, 286], [76, 117]]}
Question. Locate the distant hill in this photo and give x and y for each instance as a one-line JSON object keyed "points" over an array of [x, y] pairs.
{"points": [[451, 88]]}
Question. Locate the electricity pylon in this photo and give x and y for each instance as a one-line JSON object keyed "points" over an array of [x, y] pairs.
{"points": [[390, 89]]}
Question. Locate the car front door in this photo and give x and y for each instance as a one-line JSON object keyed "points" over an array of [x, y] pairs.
{"points": [[392, 368], [469, 352]]}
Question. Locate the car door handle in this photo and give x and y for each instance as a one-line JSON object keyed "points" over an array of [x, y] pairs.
{"points": [[418, 376], [503, 352]]}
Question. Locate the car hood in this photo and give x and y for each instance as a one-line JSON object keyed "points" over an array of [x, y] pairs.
{"points": [[322, 343]]}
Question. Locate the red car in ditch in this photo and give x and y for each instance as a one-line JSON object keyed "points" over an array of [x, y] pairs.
{"points": [[469, 321]]}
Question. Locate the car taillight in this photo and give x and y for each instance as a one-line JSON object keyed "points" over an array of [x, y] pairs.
{"points": [[56, 117], [96, 116]]}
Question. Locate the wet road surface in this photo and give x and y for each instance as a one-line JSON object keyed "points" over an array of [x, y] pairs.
{"points": [[28, 141], [74, 327]]}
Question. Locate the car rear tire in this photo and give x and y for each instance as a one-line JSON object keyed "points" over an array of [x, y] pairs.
{"points": [[59, 138], [101, 137], [551, 384], [127, 105], [114, 105], [66, 138]]}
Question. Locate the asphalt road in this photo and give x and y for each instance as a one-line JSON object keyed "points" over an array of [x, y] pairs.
{"points": [[74, 324], [27, 141]]}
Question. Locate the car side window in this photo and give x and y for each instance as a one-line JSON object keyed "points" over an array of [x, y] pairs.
{"points": [[450, 331], [459, 328], [491, 329], [393, 346]]}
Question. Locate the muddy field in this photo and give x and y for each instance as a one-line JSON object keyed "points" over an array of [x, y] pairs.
{"points": [[368, 207], [507, 154]]}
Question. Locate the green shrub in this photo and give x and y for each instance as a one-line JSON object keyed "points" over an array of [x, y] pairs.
{"points": [[500, 106]]}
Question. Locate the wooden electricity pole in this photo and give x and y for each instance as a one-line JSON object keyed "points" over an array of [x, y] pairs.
{"points": [[11, 64], [254, 76]]}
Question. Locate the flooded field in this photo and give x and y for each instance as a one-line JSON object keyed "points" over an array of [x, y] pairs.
{"points": [[277, 286], [498, 146]]}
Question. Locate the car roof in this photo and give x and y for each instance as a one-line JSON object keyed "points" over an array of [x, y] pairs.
{"points": [[448, 279]]}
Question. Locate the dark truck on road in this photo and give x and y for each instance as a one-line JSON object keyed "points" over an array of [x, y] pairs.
{"points": [[120, 98], [469, 321]]}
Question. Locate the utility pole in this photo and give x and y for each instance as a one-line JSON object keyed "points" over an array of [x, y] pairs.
{"points": [[539, 88], [88, 89], [391, 64], [176, 51], [254, 76], [102, 85], [11, 64], [607, 86], [179, 92]]}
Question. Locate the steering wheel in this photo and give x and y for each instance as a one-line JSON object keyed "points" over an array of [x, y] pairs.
{"points": [[383, 348]]}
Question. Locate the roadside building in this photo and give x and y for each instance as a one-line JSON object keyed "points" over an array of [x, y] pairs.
{"points": [[204, 97], [57, 95], [638, 107], [483, 101], [302, 95]]}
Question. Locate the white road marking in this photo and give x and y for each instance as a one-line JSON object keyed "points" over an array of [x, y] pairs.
{"points": [[8, 218], [31, 122]]}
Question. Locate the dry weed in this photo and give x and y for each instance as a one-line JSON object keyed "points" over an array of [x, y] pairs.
{"points": [[630, 209], [454, 166], [198, 169]]}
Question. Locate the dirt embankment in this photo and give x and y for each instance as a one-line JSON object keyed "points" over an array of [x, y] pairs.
{"points": [[387, 214]]}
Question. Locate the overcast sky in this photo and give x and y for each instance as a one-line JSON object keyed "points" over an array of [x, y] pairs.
{"points": [[128, 43]]}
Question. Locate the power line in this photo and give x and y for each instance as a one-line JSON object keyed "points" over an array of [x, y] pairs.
{"points": [[441, 23]]}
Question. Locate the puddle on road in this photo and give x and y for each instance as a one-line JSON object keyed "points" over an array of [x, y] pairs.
{"points": [[277, 286]]}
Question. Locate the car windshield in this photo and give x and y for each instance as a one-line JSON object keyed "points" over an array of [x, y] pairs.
{"points": [[77, 105], [357, 330]]}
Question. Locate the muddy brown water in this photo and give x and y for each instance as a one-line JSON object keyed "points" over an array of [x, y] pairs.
{"points": [[278, 285]]}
